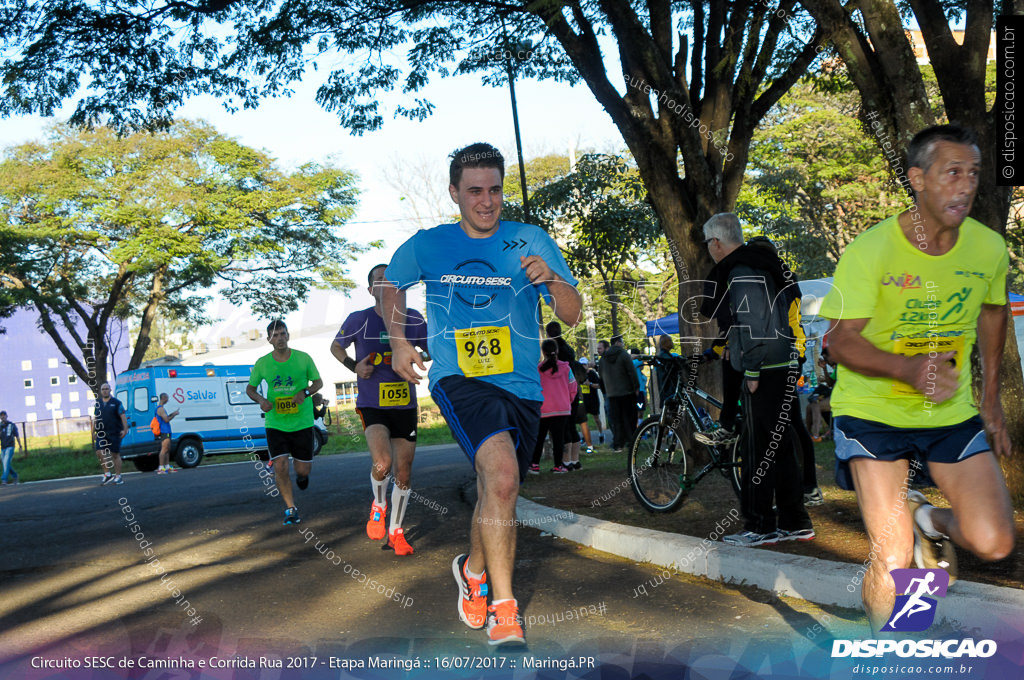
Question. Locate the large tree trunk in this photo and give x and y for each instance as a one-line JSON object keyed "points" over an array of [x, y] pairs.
{"points": [[156, 297]]}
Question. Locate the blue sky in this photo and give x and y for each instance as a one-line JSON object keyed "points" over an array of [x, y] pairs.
{"points": [[296, 130]]}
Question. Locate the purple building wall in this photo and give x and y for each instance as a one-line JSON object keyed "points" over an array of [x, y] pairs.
{"points": [[33, 373]]}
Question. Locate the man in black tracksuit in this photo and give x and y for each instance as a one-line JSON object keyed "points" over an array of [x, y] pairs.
{"points": [[751, 289]]}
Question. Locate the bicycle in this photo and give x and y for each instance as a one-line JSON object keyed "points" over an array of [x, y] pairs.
{"points": [[663, 449]]}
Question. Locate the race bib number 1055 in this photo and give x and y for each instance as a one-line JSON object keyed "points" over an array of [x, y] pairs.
{"points": [[394, 394], [485, 350]]}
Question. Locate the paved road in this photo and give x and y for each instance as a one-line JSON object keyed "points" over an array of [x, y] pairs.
{"points": [[210, 572]]}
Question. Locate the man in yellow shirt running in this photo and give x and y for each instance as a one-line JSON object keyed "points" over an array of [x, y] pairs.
{"points": [[912, 295]]}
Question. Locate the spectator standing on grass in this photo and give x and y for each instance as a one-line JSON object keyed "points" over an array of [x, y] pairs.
{"points": [[592, 389], [904, 382], [484, 277], [572, 438], [820, 400], [667, 371], [621, 385], [9, 438], [559, 388], [163, 434], [793, 300], [291, 378], [602, 347], [386, 406], [110, 425], [748, 284]]}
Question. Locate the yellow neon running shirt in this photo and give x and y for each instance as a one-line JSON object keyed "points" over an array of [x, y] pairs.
{"points": [[916, 303]]}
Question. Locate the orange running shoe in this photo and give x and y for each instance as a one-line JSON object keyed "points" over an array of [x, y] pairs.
{"points": [[504, 625], [397, 542], [375, 528], [472, 594]]}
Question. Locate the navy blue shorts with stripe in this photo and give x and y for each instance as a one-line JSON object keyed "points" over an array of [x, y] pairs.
{"points": [[476, 410], [858, 438]]}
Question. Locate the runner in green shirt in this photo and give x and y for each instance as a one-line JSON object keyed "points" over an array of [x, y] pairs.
{"points": [[291, 377]]}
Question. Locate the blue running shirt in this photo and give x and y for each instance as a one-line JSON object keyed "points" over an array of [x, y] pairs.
{"points": [[483, 320]]}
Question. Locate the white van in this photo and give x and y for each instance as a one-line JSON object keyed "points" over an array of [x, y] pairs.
{"points": [[216, 416]]}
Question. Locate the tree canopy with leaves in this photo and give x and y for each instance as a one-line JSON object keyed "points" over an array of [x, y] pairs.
{"points": [[599, 216], [694, 78], [100, 227], [815, 181]]}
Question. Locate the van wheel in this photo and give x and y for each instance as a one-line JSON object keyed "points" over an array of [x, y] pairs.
{"points": [[146, 463], [190, 452], [319, 439]]}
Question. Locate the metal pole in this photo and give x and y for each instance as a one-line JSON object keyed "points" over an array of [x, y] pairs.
{"points": [[510, 72]]}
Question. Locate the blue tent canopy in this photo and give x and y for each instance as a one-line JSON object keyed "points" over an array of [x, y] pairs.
{"points": [[668, 325]]}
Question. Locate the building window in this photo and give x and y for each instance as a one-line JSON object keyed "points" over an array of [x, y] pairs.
{"points": [[29, 383], [72, 396], [72, 379], [54, 381], [76, 412], [30, 417], [51, 363], [90, 395], [30, 400], [26, 365]]}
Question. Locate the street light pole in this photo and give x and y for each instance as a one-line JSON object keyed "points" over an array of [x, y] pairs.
{"points": [[510, 72]]}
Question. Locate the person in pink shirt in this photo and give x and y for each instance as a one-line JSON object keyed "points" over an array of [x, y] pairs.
{"points": [[559, 386]]}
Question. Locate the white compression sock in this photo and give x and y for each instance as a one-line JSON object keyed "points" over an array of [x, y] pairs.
{"points": [[380, 489], [399, 502]]}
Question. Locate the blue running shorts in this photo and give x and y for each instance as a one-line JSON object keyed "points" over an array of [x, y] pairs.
{"points": [[858, 438], [476, 410]]}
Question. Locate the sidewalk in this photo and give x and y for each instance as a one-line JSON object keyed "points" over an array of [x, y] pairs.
{"points": [[966, 606]]}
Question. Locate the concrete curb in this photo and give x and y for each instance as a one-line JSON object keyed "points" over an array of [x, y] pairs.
{"points": [[966, 606]]}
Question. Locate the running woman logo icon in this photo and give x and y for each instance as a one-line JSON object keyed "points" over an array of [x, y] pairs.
{"points": [[914, 610]]}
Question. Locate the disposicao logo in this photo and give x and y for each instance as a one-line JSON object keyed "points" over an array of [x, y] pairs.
{"points": [[913, 612]]}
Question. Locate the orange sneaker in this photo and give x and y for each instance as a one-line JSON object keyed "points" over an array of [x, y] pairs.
{"points": [[504, 625], [375, 528], [472, 594], [397, 542]]}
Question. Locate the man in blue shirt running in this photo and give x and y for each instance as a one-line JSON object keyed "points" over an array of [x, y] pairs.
{"points": [[483, 277]]}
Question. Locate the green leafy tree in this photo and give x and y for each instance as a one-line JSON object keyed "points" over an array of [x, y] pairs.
{"points": [[694, 79], [815, 180], [599, 215], [106, 227]]}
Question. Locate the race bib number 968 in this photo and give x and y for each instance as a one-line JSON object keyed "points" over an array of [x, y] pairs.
{"points": [[485, 350]]}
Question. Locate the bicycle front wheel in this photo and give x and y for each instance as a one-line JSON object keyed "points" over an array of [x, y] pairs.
{"points": [[657, 467]]}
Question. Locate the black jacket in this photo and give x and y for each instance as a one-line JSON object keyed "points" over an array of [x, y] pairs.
{"points": [[618, 373], [750, 297]]}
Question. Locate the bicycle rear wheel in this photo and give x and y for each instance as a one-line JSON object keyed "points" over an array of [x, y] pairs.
{"points": [[657, 466], [735, 459]]}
